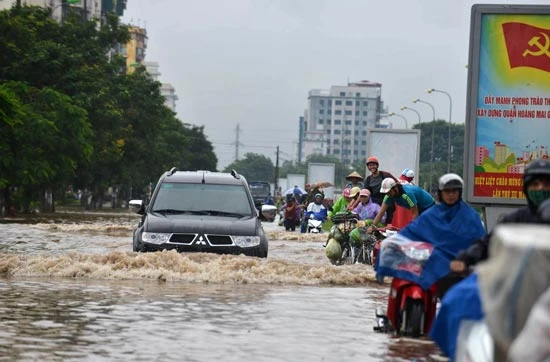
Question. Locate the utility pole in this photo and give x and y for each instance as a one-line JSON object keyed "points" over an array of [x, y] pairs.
{"points": [[237, 143], [276, 173]]}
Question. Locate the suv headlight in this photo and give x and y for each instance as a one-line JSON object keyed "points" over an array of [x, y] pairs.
{"points": [[155, 238], [246, 241]]}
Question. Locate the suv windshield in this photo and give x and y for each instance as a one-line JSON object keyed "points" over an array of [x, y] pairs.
{"points": [[185, 197]]}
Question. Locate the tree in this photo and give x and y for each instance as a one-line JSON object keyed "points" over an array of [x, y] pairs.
{"points": [[254, 167]]}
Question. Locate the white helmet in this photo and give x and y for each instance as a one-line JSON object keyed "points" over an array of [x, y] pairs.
{"points": [[387, 184], [450, 181]]}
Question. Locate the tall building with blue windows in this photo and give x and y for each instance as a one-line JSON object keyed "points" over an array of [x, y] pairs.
{"points": [[336, 121]]}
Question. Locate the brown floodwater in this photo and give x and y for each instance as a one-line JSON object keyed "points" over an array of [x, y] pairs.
{"points": [[71, 289]]}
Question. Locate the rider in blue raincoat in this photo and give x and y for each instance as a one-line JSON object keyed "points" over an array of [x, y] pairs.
{"points": [[450, 226], [463, 302]]}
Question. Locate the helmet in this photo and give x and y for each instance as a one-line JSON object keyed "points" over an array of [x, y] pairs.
{"points": [[346, 192], [450, 181], [364, 192], [408, 173], [372, 159], [318, 195], [354, 191], [387, 185], [534, 169]]}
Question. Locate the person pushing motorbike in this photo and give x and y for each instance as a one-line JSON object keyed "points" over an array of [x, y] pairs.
{"points": [[409, 196]]}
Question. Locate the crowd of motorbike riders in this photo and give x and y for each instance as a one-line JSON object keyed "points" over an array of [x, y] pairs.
{"points": [[450, 224]]}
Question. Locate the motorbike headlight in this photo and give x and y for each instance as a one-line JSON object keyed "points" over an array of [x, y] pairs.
{"points": [[155, 238], [246, 241]]}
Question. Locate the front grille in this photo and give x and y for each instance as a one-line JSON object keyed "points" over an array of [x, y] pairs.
{"points": [[218, 240], [182, 238]]}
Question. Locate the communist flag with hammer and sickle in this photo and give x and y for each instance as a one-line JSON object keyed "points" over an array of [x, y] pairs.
{"points": [[527, 45]]}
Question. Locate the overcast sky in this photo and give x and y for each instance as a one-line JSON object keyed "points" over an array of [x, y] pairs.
{"points": [[252, 62]]}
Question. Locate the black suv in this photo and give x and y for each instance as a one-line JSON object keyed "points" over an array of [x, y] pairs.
{"points": [[200, 211]]}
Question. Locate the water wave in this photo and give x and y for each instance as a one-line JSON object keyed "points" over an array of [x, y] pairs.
{"points": [[188, 267]]}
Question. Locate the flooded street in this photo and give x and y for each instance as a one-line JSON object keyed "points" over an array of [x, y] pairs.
{"points": [[71, 289]]}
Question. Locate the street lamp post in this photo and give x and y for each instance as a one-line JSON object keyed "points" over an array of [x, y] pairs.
{"points": [[417, 100], [450, 122], [398, 115], [413, 110]]}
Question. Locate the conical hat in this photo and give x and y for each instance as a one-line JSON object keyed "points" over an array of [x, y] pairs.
{"points": [[354, 174]]}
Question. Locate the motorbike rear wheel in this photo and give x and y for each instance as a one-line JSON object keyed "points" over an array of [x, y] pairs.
{"points": [[414, 322]]}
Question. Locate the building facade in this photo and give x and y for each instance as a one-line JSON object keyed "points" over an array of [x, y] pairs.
{"points": [[87, 9], [336, 121], [167, 90]]}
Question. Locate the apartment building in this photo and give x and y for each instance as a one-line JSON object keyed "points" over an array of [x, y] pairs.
{"points": [[336, 121]]}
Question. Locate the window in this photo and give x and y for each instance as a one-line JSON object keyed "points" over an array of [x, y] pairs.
{"points": [[348, 132], [337, 112], [321, 121], [348, 113], [336, 141], [356, 133], [363, 153], [338, 103], [364, 113], [364, 123], [365, 103], [321, 111], [342, 94], [329, 102], [336, 152], [364, 133], [348, 122], [328, 131], [356, 113], [337, 121], [357, 122], [358, 94], [322, 102], [349, 103], [337, 131]]}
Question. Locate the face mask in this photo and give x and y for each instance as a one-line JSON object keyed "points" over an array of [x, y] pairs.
{"points": [[538, 196]]}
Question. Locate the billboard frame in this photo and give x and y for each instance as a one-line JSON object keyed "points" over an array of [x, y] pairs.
{"points": [[478, 11]]}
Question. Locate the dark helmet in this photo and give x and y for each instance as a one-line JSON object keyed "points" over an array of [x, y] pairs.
{"points": [[534, 169]]}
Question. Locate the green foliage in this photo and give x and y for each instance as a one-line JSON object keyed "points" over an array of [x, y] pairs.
{"points": [[431, 168], [254, 167], [71, 115]]}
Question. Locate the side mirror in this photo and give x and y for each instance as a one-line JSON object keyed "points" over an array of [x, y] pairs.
{"points": [[136, 206], [544, 210]]}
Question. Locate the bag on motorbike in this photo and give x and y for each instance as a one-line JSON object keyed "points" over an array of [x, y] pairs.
{"points": [[513, 278], [336, 233], [402, 258], [333, 250], [358, 236]]}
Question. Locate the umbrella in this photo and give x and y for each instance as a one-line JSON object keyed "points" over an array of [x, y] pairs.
{"points": [[322, 184], [290, 191]]}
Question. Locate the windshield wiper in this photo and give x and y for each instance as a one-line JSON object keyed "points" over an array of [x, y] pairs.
{"points": [[170, 211], [221, 213]]}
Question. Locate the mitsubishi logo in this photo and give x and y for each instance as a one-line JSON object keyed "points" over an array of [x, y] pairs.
{"points": [[201, 241]]}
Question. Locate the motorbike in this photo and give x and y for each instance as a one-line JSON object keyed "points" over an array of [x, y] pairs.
{"points": [[314, 226], [411, 308], [340, 248]]}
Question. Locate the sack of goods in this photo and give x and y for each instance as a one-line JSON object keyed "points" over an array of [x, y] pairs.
{"points": [[333, 250]]}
